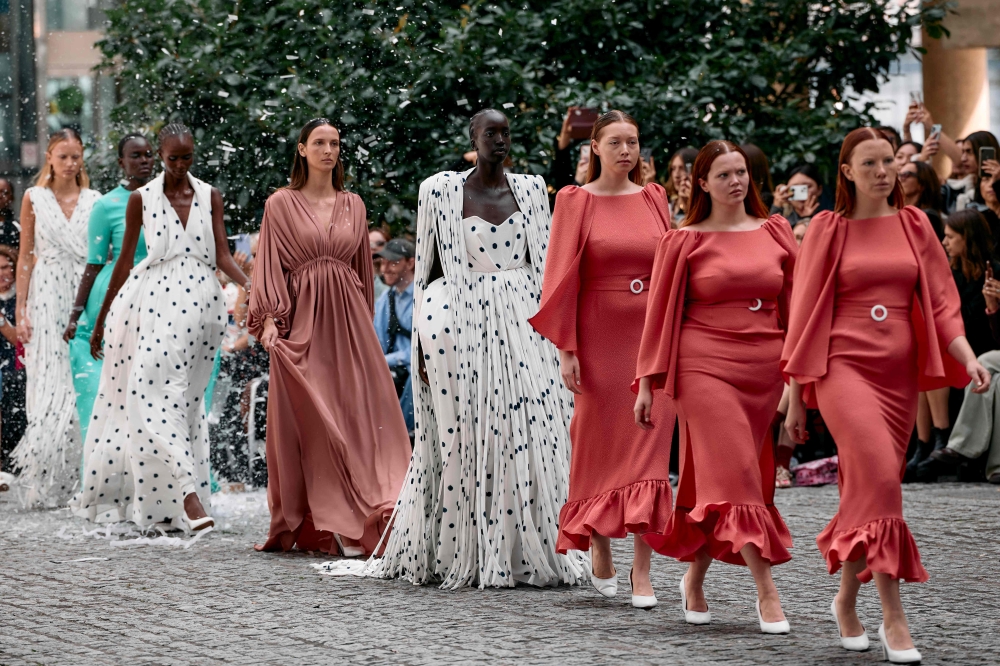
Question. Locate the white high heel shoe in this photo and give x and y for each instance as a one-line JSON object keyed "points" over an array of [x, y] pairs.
{"points": [[692, 617], [197, 524], [348, 551], [639, 601], [781, 627], [852, 643], [911, 656], [608, 587]]}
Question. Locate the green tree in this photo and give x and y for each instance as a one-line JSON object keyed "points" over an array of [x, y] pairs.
{"points": [[400, 80]]}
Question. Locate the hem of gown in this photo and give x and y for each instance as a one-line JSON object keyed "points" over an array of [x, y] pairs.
{"points": [[306, 537], [643, 506], [101, 515], [723, 529], [886, 544]]}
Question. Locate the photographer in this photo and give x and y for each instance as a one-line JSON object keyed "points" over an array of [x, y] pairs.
{"points": [[799, 199], [394, 318], [573, 139]]}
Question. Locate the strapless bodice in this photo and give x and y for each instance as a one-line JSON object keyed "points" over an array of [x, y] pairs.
{"points": [[495, 247]]}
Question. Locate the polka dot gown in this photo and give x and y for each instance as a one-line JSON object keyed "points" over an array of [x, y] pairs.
{"points": [[490, 467], [148, 440], [49, 453]]}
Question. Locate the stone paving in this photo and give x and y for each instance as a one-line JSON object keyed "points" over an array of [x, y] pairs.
{"points": [[73, 597]]}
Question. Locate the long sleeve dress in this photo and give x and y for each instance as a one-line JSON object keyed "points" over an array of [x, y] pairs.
{"points": [[594, 303], [105, 232], [48, 454], [712, 340], [872, 315], [337, 446], [147, 446]]}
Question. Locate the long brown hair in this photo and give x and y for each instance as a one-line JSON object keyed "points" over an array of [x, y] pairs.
{"points": [[971, 226], [847, 196], [48, 173], [701, 201], [609, 118], [300, 168]]}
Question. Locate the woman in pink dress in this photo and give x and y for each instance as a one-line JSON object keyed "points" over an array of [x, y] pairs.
{"points": [[337, 446], [712, 341], [597, 271], [875, 317]]}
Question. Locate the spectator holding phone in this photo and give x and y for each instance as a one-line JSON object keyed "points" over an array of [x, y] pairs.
{"points": [[908, 151], [378, 236], [798, 199], [921, 188], [575, 129], [679, 184], [648, 166], [979, 147], [10, 231], [394, 318]]}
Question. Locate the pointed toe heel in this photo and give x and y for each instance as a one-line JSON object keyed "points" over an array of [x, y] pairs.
{"points": [[640, 601], [781, 627], [852, 643], [692, 617], [911, 656], [608, 587]]}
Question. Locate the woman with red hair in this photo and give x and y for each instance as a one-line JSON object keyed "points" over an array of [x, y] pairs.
{"points": [[875, 318], [712, 341]]}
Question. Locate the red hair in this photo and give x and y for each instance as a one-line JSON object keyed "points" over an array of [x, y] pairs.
{"points": [[594, 167], [701, 203], [847, 196]]}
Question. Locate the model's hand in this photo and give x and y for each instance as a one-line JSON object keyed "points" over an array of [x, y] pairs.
{"points": [[24, 329], [97, 341], [70, 331], [569, 368], [991, 291], [644, 405], [270, 335], [980, 377], [795, 422]]}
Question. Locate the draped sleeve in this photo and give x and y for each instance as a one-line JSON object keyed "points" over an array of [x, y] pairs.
{"points": [[781, 232], [665, 310], [656, 196], [557, 316], [362, 260], [269, 295]]}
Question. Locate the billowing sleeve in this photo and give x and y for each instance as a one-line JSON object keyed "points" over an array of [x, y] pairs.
{"points": [[781, 231], [557, 316], [269, 295], [362, 260], [665, 311], [98, 234]]}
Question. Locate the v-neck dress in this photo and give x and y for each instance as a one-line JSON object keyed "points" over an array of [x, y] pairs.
{"points": [[49, 453], [337, 445]]}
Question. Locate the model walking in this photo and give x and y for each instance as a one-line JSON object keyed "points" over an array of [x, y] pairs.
{"points": [[337, 446], [53, 249], [490, 464], [149, 461], [712, 341], [875, 316], [604, 238], [105, 232]]}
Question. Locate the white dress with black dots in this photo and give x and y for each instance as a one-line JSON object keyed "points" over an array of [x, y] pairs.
{"points": [[490, 467], [48, 454], [147, 445]]}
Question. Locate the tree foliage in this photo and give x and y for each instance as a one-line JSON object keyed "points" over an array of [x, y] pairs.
{"points": [[401, 79]]}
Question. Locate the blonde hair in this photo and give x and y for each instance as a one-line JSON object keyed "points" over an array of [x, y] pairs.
{"points": [[47, 173]]}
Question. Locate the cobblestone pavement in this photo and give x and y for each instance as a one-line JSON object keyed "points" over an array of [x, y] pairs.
{"points": [[74, 598]]}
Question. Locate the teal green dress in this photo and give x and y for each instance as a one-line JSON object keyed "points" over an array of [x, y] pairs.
{"points": [[104, 233]]}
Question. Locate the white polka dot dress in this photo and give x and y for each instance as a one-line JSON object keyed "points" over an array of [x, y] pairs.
{"points": [[490, 466], [148, 441], [49, 453]]}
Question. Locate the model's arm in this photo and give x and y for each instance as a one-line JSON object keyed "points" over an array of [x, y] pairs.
{"points": [[98, 249], [795, 418], [25, 266], [223, 257], [82, 294], [962, 352], [133, 226]]}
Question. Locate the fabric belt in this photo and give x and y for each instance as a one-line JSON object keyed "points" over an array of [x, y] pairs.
{"points": [[752, 304], [325, 259], [874, 311], [617, 283]]}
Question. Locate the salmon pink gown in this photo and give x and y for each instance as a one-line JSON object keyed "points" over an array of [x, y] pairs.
{"points": [[872, 315], [712, 340], [337, 445], [594, 296]]}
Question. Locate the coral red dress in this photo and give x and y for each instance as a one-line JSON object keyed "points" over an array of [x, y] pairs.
{"points": [[594, 294], [712, 340], [873, 312]]}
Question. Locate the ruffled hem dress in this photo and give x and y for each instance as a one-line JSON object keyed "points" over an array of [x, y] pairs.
{"points": [[872, 315], [594, 298], [712, 340]]}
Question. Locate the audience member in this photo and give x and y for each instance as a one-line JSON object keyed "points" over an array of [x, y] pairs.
{"points": [[989, 190], [394, 319], [10, 231], [13, 381], [891, 134], [564, 171], [908, 151], [799, 209], [378, 236], [970, 162], [922, 189], [760, 172], [679, 183]]}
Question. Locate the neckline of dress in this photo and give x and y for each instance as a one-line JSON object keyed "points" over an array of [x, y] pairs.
{"points": [[187, 223], [493, 224], [745, 231], [312, 210], [59, 208]]}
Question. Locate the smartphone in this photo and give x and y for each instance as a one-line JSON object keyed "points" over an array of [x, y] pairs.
{"points": [[687, 167], [985, 153], [935, 131], [581, 123], [585, 151], [917, 97], [799, 192], [645, 154]]}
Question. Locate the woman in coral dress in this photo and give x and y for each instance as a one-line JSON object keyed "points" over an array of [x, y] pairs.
{"points": [[712, 340], [337, 445], [875, 317], [597, 271]]}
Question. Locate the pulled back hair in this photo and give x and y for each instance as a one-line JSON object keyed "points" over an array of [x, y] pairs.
{"points": [[474, 120], [609, 118], [847, 195], [300, 167], [701, 201], [173, 129], [760, 169], [128, 137], [972, 227], [47, 173]]}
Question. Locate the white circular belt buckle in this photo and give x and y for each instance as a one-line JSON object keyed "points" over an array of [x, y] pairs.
{"points": [[882, 313], [636, 286], [754, 308]]}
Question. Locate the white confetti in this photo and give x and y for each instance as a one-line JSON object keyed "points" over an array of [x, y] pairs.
{"points": [[462, 102], [404, 104], [363, 151], [166, 51], [508, 105], [272, 102], [291, 57], [232, 18], [390, 174], [369, 12], [223, 93]]}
